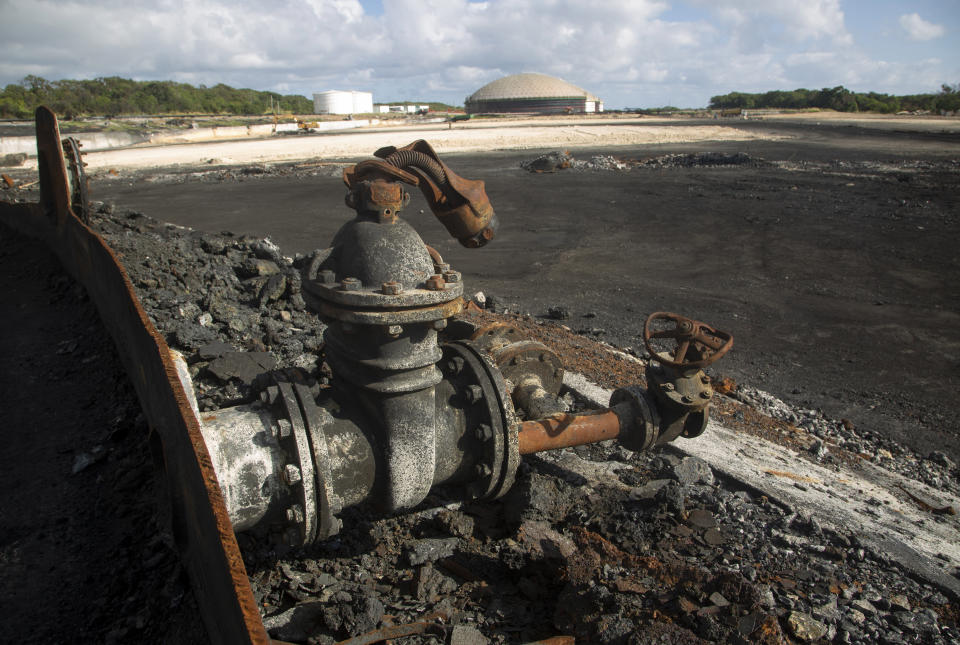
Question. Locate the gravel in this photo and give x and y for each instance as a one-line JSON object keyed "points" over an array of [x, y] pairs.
{"points": [[660, 547]]}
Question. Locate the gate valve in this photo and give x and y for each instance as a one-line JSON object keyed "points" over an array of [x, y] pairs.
{"points": [[697, 344], [681, 388]]}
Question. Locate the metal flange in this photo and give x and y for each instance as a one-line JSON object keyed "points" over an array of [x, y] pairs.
{"points": [[489, 414]]}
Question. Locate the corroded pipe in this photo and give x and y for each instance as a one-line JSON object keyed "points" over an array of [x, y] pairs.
{"points": [[566, 430]]}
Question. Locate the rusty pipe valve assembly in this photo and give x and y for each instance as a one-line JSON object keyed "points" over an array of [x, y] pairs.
{"points": [[420, 395]]}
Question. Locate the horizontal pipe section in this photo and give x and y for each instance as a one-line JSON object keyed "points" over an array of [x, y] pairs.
{"points": [[566, 430]]}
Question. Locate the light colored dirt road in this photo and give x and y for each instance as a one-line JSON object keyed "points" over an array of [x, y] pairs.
{"points": [[516, 136]]}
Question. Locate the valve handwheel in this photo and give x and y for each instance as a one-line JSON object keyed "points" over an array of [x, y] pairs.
{"points": [[698, 344]]}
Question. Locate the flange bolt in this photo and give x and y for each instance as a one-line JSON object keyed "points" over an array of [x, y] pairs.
{"points": [[291, 474], [436, 283], [295, 514], [455, 364], [350, 284], [392, 288], [474, 393], [483, 432]]}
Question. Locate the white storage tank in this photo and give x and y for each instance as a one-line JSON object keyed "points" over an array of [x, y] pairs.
{"points": [[342, 102]]}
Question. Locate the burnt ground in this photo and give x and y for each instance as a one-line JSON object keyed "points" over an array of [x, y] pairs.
{"points": [[85, 552], [830, 256], [665, 550]]}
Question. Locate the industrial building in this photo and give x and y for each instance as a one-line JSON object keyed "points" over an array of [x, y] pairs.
{"points": [[342, 102], [532, 93]]}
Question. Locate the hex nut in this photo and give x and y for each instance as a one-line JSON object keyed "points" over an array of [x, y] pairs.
{"points": [[440, 325], [443, 268], [392, 288], [394, 330], [270, 394], [483, 432], [668, 387], [350, 284], [291, 474], [436, 283], [474, 393], [482, 470], [327, 276], [706, 394], [451, 276], [455, 364], [286, 428], [295, 514]]}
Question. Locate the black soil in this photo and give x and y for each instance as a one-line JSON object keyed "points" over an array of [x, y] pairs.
{"points": [[830, 255], [85, 555]]}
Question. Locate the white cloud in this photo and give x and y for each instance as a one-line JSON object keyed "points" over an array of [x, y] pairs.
{"points": [[629, 52], [919, 29]]}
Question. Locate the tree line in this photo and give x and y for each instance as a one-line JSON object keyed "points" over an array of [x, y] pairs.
{"points": [[113, 96], [843, 100]]}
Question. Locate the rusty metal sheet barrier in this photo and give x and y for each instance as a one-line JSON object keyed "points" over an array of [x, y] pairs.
{"points": [[202, 527]]}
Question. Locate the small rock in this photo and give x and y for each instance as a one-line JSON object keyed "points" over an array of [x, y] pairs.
{"points": [[253, 267], [855, 616], [542, 541], [559, 313], [273, 289], [431, 550], [467, 635], [693, 470], [941, 459], [650, 489], [455, 523], [243, 366], [804, 627], [717, 598], [673, 497], [899, 601], [296, 624]]}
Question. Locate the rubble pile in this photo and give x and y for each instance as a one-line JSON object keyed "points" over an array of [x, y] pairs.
{"points": [[562, 160], [593, 542]]}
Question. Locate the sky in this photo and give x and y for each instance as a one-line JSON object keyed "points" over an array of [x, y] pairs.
{"points": [[631, 53]]}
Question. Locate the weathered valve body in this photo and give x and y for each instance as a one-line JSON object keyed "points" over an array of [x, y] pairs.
{"points": [[404, 412]]}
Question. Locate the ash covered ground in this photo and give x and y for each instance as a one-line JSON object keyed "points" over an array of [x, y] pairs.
{"points": [[661, 549]]}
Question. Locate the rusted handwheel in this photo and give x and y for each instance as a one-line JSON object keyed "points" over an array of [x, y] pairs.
{"points": [[698, 344]]}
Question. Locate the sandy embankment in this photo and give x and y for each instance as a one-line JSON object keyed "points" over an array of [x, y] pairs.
{"points": [[515, 136]]}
